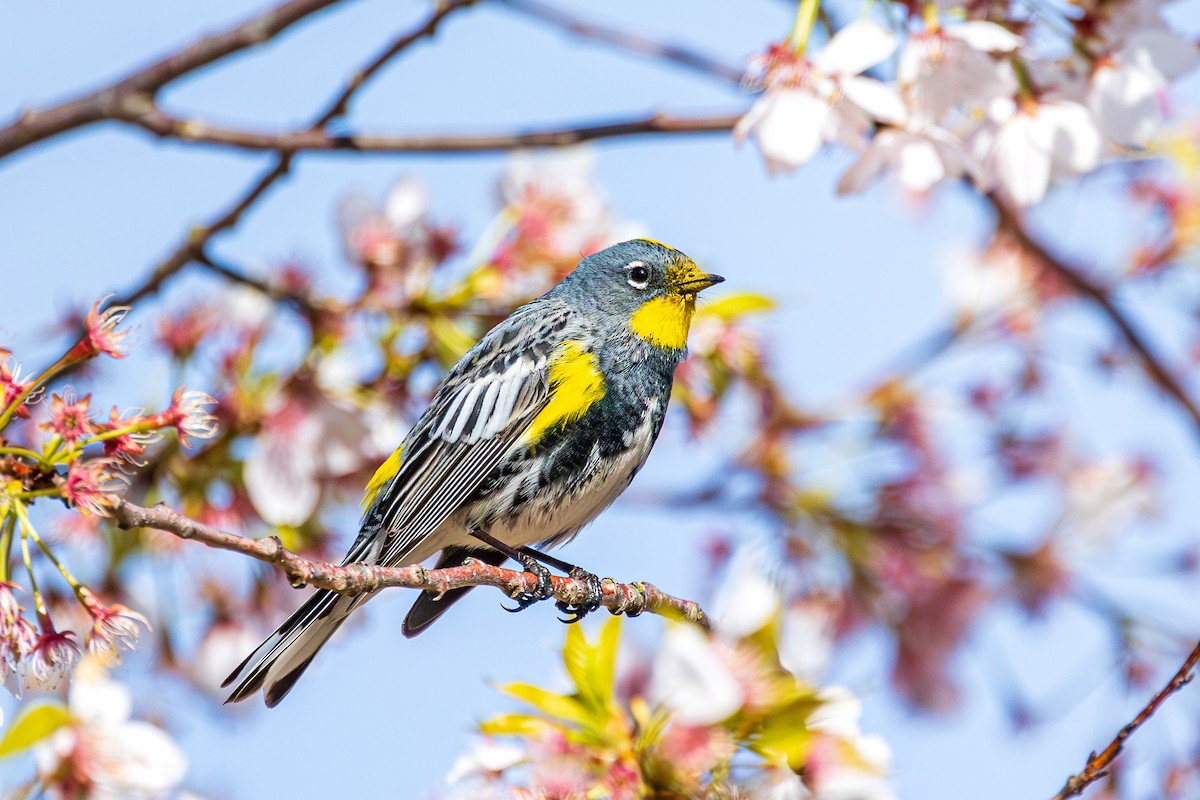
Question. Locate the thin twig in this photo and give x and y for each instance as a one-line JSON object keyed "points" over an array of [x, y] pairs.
{"points": [[1098, 763], [1010, 219], [619, 598], [301, 300], [316, 140], [625, 40], [141, 86]]}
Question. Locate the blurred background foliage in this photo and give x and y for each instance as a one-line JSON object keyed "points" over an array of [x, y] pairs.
{"points": [[936, 442]]}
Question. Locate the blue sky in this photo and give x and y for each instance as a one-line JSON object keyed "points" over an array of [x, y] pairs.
{"points": [[857, 278]]}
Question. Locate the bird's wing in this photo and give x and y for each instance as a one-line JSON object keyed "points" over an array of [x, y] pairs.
{"points": [[480, 412]]}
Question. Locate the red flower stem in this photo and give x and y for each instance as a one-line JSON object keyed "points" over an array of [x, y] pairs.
{"points": [[47, 374]]}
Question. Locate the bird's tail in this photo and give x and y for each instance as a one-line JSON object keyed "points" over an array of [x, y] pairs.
{"points": [[276, 664]]}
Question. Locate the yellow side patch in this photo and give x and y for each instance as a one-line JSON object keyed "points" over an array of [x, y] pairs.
{"points": [[576, 383], [665, 320], [387, 470]]}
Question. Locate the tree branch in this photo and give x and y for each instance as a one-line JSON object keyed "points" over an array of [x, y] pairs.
{"points": [[314, 139], [198, 238], [140, 87], [1009, 218], [641, 45], [1098, 763], [618, 598]]}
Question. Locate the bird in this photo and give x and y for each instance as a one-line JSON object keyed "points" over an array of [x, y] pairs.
{"points": [[531, 435]]}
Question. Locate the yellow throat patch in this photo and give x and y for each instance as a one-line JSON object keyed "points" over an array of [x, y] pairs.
{"points": [[665, 320], [576, 384]]}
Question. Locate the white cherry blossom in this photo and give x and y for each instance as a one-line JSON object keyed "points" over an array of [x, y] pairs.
{"points": [[484, 759], [306, 437], [117, 756], [952, 67], [920, 158], [1041, 142], [1128, 89], [691, 679], [855, 766], [747, 599], [825, 98]]}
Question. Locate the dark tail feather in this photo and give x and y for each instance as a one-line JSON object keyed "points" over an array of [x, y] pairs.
{"points": [[426, 610], [277, 663]]}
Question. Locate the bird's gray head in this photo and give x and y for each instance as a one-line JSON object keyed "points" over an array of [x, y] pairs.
{"points": [[642, 284]]}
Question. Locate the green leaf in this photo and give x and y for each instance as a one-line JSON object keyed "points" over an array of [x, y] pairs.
{"points": [[576, 657], [606, 656], [593, 667], [514, 725], [451, 340], [554, 705], [734, 306], [33, 725]]}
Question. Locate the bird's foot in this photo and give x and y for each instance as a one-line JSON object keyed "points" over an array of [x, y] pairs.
{"points": [[577, 611], [544, 590]]}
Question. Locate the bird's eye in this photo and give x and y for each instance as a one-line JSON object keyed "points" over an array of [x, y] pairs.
{"points": [[639, 276]]}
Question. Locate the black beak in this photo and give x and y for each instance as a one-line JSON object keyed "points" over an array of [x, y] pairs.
{"points": [[700, 284]]}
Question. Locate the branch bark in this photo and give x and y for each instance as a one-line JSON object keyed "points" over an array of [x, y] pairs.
{"points": [[1155, 368], [194, 244], [315, 139], [140, 87], [1098, 763], [619, 598], [625, 40]]}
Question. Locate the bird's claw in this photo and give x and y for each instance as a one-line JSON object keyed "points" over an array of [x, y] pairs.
{"points": [[544, 590], [577, 611]]}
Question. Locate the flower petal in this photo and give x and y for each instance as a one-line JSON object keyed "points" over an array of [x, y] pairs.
{"points": [[690, 678], [1022, 160], [787, 125], [855, 48], [878, 99], [1075, 141], [919, 165], [1164, 55], [406, 203], [280, 480], [986, 36], [869, 167]]}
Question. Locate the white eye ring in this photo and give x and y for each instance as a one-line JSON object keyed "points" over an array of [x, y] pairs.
{"points": [[638, 265]]}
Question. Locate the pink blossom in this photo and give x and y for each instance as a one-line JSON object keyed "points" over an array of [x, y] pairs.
{"points": [[10, 609], [90, 485], [189, 416], [938, 617], [100, 334], [114, 628], [181, 333], [690, 751], [51, 658], [17, 638], [14, 641], [70, 419], [12, 385], [129, 446]]}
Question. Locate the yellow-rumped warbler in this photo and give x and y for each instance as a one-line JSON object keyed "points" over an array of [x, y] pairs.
{"points": [[536, 430]]}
